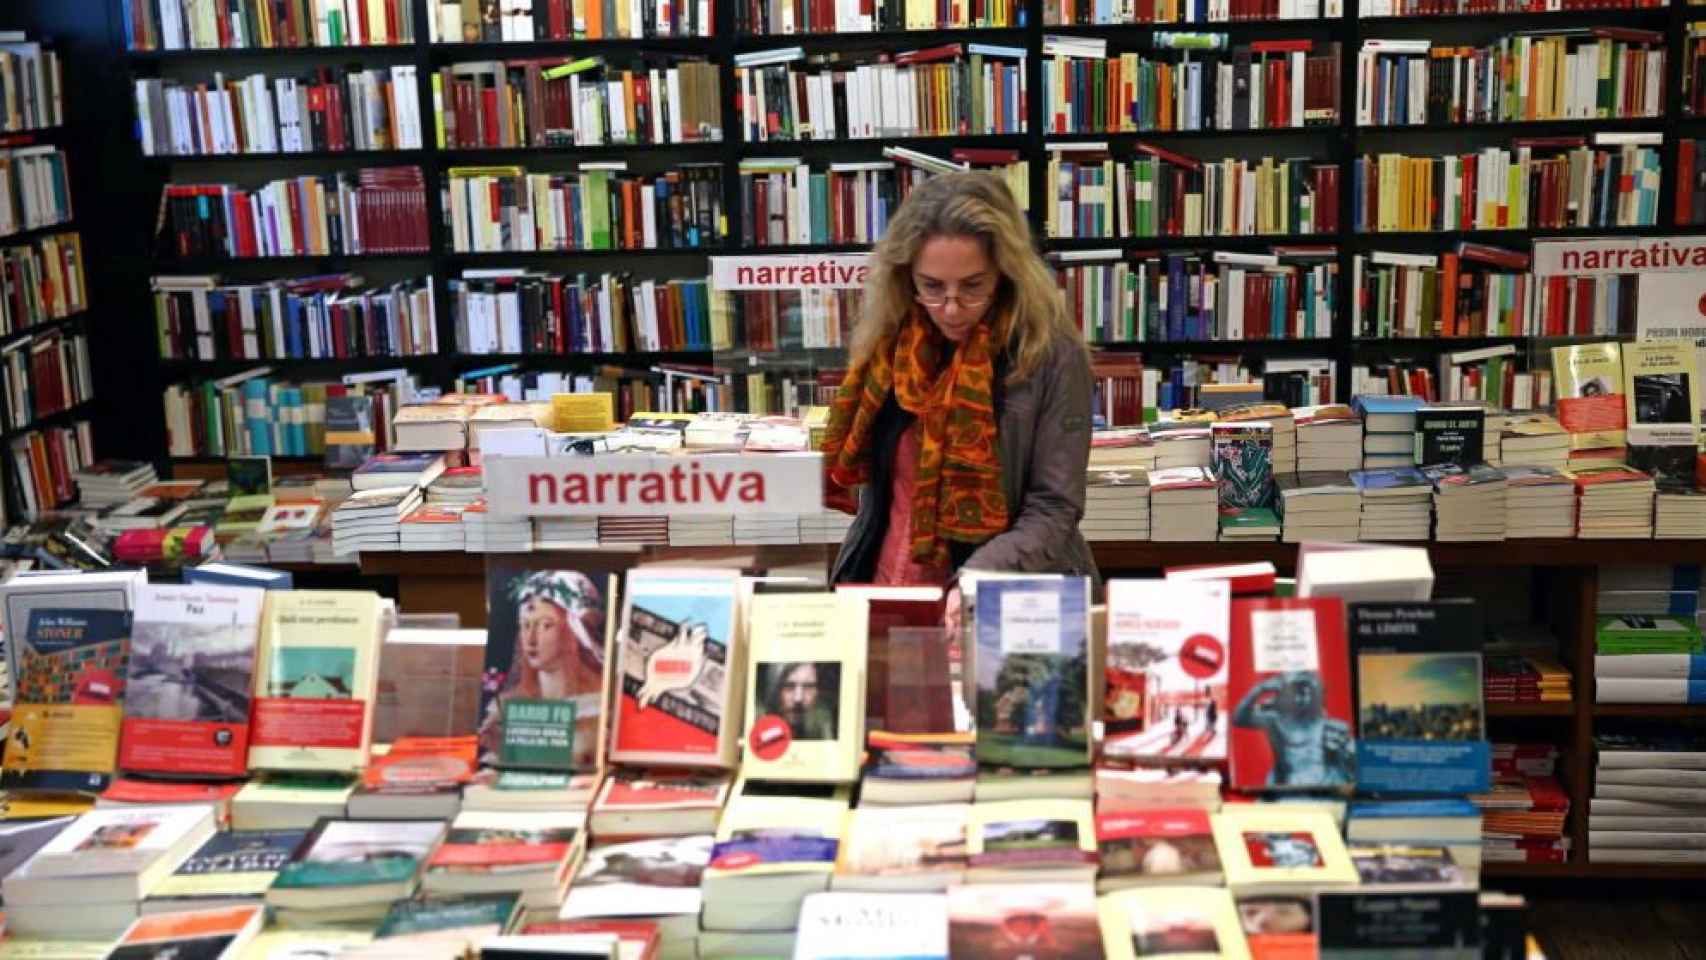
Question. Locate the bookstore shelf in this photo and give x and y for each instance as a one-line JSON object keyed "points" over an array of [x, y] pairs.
{"points": [[399, 50], [320, 155], [750, 42], [1375, 238], [1523, 18], [1212, 346], [759, 149], [343, 364], [1529, 127], [58, 418], [1594, 871], [502, 258], [64, 226], [533, 48], [483, 156], [1128, 31], [1650, 709], [1123, 136], [174, 264], [43, 327], [1128, 244]]}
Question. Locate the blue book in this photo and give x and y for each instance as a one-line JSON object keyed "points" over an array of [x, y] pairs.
{"points": [[256, 411], [1387, 413], [1032, 636], [239, 575], [1389, 478]]}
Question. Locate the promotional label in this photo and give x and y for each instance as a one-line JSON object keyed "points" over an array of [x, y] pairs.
{"points": [[644, 485], [538, 733], [793, 271], [314, 724]]}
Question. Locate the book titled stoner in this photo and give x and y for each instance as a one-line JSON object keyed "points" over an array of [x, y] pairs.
{"points": [[65, 728]]}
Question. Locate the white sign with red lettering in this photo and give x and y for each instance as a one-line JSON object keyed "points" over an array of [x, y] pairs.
{"points": [[1607, 257], [790, 271], [649, 485]]}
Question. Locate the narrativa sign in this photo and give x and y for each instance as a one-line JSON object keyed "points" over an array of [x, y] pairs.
{"points": [[790, 271], [649, 485]]}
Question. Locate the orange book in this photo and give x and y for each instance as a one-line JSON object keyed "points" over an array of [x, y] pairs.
{"points": [[594, 19], [201, 933], [1448, 324]]}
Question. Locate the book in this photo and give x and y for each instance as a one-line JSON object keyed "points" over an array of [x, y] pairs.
{"points": [[654, 879], [19, 840], [1267, 848], [872, 926], [1031, 669], [1661, 393], [238, 575], [215, 934], [910, 849], [1046, 921], [283, 801], [465, 922], [508, 852], [1290, 683], [232, 867], [191, 675], [907, 688], [416, 778], [918, 768], [678, 657], [106, 856], [64, 727], [1165, 696], [1412, 899], [1020, 841], [1174, 921], [547, 635], [529, 790], [639, 803], [1450, 434], [355, 867], [316, 673], [1589, 380], [776, 843], [805, 695], [1156, 847], [1243, 462], [636, 939], [1421, 727]]}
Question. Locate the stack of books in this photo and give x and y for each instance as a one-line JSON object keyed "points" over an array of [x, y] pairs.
{"points": [[1492, 431], [768, 528], [1679, 515], [1116, 504], [457, 486], [1642, 658], [1469, 502], [565, 533], [371, 519], [703, 531], [1184, 505], [652, 530], [1396, 503], [432, 528], [831, 526], [1614, 502], [1182, 443], [1122, 447], [1649, 590], [1283, 453], [398, 469], [1532, 439], [1540, 503], [1249, 524], [1329, 437], [1451, 823], [484, 533], [1649, 797], [1524, 758], [1320, 505], [1389, 429], [1522, 819], [108, 483], [1522, 666]]}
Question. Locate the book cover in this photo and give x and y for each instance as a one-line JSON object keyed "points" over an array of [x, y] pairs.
{"points": [[805, 695], [1032, 671], [547, 635], [85, 591], [912, 847], [873, 926], [1024, 921], [64, 730], [192, 670], [1420, 723], [1450, 434], [349, 431], [1166, 669], [677, 654], [1243, 462], [1022, 835], [196, 935], [358, 853], [236, 863], [648, 878], [248, 475], [907, 689], [1410, 904], [1661, 393], [20, 840], [630, 791], [315, 676], [116, 840], [1291, 689], [491, 842], [472, 918], [1156, 846], [1589, 381], [1186, 923], [1267, 846]]}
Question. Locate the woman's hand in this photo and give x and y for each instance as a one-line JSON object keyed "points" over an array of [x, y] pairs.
{"points": [[951, 614]]}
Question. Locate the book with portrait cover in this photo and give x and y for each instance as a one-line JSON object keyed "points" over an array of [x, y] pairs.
{"points": [[805, 693], [543, 694], [1024, 921], [1165, 678], [65, 726], [678, 655], [1661, 393], [1420, 727], [1267, 848], [235, 866], [1032, 668], [191, 935], [1243, 463], [192, 671], [316, 674], [1178, 922], [1290, 689]]}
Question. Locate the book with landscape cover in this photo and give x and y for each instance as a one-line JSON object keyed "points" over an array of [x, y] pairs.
{"points": [[108, 855], [1420, 726], [1290, 688], [805, 695], [1032, 670], [1166, 671], [316, 675], [64, 730], [677, 659], [775, 844], [355, 862], [1018, 840], [1034, 921], [1179, 922], [231, 867], [547, 637], [192, 671]]}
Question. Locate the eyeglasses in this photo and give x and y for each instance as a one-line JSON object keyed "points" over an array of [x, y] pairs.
{"points": [[968, 301]]}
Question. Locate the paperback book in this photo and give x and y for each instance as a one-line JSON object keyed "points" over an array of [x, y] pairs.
{"points": [[198, 935], [678, 653], [805, 696], [318, 666], [1166, 670], [1182, 922], [235, 866], [64, 730], [1032, 669], [355, 863], [1034, 921], [1156, 847], [1290, 685], [1243, 462]]}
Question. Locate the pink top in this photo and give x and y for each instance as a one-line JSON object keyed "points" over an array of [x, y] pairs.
{"points": [[894, 561]]}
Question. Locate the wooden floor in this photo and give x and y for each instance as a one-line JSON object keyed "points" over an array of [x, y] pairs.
{"points": [[1620, 921]]}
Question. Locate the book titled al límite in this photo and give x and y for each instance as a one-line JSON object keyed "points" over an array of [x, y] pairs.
{"points": [[64, 731], [316, 676], [805, 696], [192, 669], [1032, 670], [1418, 669], [677, 656], [1290, 689]]}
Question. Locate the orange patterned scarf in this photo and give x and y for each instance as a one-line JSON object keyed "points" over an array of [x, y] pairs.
{"points": [[956, 493]]}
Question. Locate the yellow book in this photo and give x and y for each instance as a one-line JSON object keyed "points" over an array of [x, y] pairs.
{"points": [[1148, 920], [805, 695], [31, 948], [316, 676], [583, 412], [456, 172], [1266, 848], [40, 806]]}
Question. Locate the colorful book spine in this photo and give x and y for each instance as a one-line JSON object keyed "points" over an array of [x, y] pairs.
{"points": [[599, 207], [522, 21], [1201, 296], [786, 17], [332, 110], [584, 102], [376, 210], [319, 318], [266, 24]]}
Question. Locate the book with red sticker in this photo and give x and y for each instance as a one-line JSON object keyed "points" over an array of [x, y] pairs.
{"points": [[677, 702], [317, 674], [1166, 671], [1290, 693], [64, 730], [192, 668]]}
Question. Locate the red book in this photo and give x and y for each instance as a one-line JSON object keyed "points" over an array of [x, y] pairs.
{"points": [[127, 790], [1291, 689], [1685, 182], [899, 694], [1177, 159], [946, 51], [1281, 46], [1243, 578]]}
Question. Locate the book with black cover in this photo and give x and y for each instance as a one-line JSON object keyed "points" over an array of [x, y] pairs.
{"points": [[1450, 434]]}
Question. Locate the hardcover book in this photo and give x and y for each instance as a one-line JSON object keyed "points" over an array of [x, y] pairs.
{"points": [[316, 675], [1032, 668], [234, 866], [192, 670], [1420, 727], [1243, 462], [65, 725], [547, 636], [1183, 922], [1291, 693], [679, 653], [195, 935], [805, 695], [1166, 670], [1024, 921], [1450, 434]]}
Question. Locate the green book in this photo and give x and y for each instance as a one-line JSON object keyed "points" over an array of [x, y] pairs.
{"points": [[820, 207], [489, 915], [1631, 633], [597, 199], [359, 853]]}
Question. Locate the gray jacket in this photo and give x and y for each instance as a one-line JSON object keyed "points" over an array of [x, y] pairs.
{"points": [[1043, 424]]}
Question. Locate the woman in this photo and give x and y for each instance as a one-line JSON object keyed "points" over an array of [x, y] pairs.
{"points": [[965, 417], [559, 655]]}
